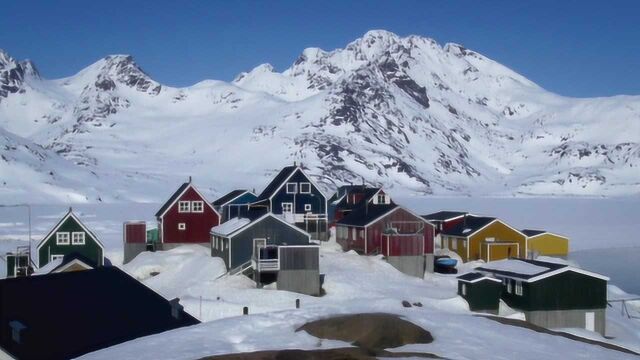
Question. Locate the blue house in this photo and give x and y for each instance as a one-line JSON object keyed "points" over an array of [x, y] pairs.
{"points": [[233, 204], [297, 199]]}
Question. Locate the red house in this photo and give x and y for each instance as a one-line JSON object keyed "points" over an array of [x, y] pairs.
{"points": [[186, 218], [391, 230]]}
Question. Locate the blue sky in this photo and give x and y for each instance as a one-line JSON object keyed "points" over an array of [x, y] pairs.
{"points": [[574, 48]]}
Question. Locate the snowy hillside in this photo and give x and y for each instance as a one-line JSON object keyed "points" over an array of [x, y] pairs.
{"points": [[406, 113], [354, 284]]}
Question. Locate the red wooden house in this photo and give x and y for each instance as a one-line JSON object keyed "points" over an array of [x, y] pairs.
{"points": [[405, 239], [186, 218]]}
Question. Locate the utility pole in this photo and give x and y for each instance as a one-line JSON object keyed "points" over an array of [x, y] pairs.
{"points": [[29, 214]]}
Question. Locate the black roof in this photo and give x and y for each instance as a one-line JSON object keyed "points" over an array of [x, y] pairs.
{"points": [[530, 232], [549, 265], [69, 314], [443, 215], [367, 192], [276, 182], [172, 198], [470, 225], [366, 214], [228, 197]]}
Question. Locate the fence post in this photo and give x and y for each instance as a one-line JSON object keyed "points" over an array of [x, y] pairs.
{"points": [[297, 303], [245, 310]]}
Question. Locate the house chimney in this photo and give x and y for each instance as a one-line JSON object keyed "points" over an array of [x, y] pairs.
{"points": [[176, 308], [294, 163], [16, 331], [189, 179]]}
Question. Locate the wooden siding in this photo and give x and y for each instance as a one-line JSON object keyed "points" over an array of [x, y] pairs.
{"points": [[565, 291], [481, 295], [500, 232], [91, 248], [377, 242], [232, 209], [549, 245], [198, 225], [299, 258], [135, 232], [276, 233], [317, 202], [492, 251]]}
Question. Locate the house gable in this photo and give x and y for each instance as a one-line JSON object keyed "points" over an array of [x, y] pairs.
{"points": [[188, 225], [48, 247], [304, 196]]}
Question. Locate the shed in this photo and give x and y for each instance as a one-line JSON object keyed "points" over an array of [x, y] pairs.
{"points": [[482, 292], [552, 295], [65, 315], [134, 239]]}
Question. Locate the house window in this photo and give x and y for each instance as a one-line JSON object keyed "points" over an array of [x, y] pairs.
{"points": [[519, 288], [305, 188], [464, 289], [454, 244], [56, 257], [62, 238], [184, 206], [77, 238], [287, 207], [292, 188], [509, 286], [197, 206], [307, 207], [382, 199], [182, 226]]}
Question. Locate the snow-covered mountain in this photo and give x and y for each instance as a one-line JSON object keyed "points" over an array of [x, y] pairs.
{"points": [[403, 112]]}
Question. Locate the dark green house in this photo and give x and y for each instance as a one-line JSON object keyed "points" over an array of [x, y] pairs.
{"points": [[70, 236], [552, 295], [481, 292]]}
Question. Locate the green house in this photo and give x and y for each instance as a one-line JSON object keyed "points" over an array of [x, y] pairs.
{"points": [[481, 292], [70, 236]]}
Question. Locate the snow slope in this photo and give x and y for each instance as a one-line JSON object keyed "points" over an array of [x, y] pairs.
{"points": [[403, 112], [354, 284]]}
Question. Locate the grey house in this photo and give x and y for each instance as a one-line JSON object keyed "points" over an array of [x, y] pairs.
{"points": [[269, 249], [238, 240], [552, 295]]}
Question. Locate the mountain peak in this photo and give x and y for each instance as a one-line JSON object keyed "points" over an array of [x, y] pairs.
{"points": [[119, 69]]}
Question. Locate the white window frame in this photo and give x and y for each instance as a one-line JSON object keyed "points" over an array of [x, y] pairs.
{"points": [[59, 240], [305, 184], [519, 288], [81, 240], [307, 207], [464, 289], [182, 226], [184, 206], [289, 205], [382, 197], [56, 256], [295, 188], [193, 206]]}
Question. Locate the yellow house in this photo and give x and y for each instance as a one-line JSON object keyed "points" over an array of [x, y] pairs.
{"points": [[541, 242], [486, 238]]}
